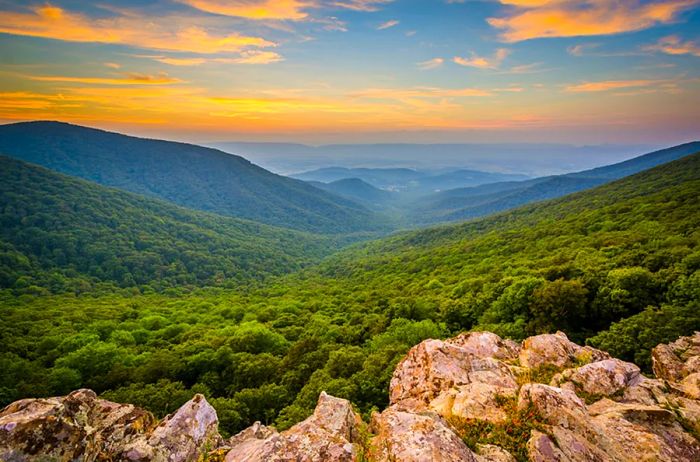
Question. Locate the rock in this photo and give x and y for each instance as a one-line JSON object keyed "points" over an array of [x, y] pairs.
{"points": [[434, 367], [691, 385], [601, 378], [329, 435], [675, 360], [486, 345], [679, 364], [492, 453], [541, 448], [75, 427], [556, 350], [179, 437], [474, 401], [411, 437]]}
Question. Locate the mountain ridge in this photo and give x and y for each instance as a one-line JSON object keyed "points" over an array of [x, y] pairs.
{"points": [[188, 175]]}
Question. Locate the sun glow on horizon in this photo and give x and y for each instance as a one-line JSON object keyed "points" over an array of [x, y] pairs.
{"points": [[589, 71]]}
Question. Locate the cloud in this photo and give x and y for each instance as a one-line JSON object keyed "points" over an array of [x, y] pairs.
{"points": [[531, 68], [179, 61], [607, 85], [431, 64], [482, 62], [529, 19], [126, 79], [245, 57], [52, 22], [420, 92], [253, 57], [254, 9], [581, 49], [674, 45], [361, 5], [113, 65], [388, 24]]}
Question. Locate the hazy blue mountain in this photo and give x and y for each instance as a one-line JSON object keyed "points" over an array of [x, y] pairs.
{"points": [[356, 189], [414, 182], [465, 203], [532, 159], [383, 178], [188, 175]]}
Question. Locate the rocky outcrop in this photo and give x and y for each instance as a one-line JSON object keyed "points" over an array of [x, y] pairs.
{"points": [[332, 433], [679, 364], [474, 398]]}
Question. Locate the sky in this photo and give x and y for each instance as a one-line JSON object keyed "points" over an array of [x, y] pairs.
{"points": [[358, 71]]}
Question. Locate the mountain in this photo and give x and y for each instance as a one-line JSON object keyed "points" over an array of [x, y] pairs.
{"points": [[533, 159], [616, 267], [358, 190], [384, 178], [405, 180], [188, 175], [64, 233], [467, 203]]}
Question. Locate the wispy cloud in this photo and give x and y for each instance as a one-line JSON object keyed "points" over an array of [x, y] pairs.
{"points": [[388, 24], [431, 64], [254, 9], [179, 61], [126, 79], [420, 92], [483, 62], [245, 57], [361, 5], [641, 85], [529, 19], [53, 22], [674, 45]]}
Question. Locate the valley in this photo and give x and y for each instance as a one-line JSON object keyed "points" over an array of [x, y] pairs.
{"points": [[261, 319]]}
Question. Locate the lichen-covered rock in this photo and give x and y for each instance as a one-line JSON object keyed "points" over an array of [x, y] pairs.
{"points": [[451, 368], [476, 400], [78, 426], [601, 378], [180, 437], [556, 350], [679, 363], [330, 434], [412, 437], [492, 453]]}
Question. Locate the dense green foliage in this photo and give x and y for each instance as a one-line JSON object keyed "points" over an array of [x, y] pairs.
{"points": [[618, 264], [60, 234], [192, 176]]}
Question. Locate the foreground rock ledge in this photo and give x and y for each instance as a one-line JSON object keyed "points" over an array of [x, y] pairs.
{"points": [[443, 393]]}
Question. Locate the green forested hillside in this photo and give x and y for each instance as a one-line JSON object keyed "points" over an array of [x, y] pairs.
{"points": [[617, 266], [188, 175], [64, 234]]}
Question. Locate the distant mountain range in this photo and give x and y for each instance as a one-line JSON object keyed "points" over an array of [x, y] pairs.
{"points": [[356, 189], [406, 180], [466, 203], [188, 175], [532, 159], [331, 200]]}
